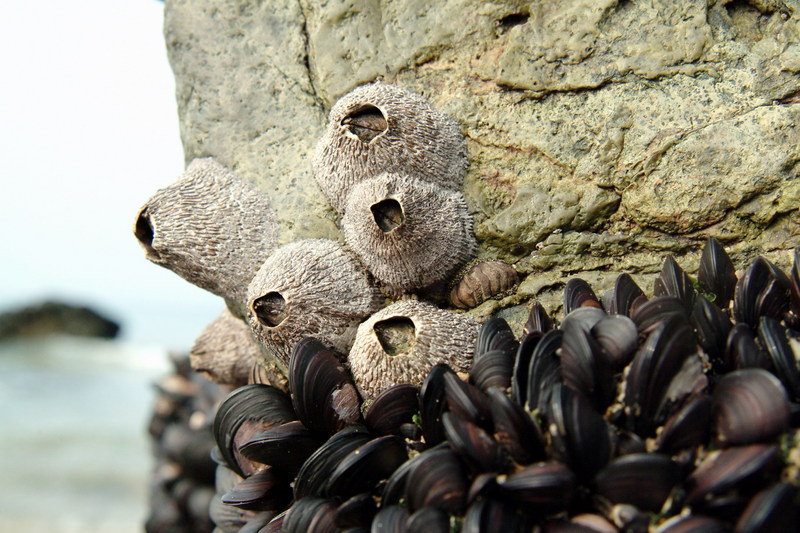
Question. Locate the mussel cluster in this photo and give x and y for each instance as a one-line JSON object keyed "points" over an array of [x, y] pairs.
{"points": [[671, 414]]}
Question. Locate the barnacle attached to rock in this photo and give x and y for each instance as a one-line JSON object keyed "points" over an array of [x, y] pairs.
{"points": [[482, 281], [382, 128], [309, 287], [401, 343], [409, 234], [210, 227]]}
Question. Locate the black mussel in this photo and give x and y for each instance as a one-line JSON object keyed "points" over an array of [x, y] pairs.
{"points": [[492, 369], [723, 470], [474, 445], [772, 509], [465, 400], [541, 488], [317, 469], [515, 430], [390, 519], [437, 479], [741, 350], [794, 281], [783, 359], [628, 442], [275, 525], [644, 480], [493, 515], [653, 312], [362, 469], [583, 318], [311, 514], [618, 336], [577, 294], [323, 393], [495, 335], [582, 523], [484, 486], [262, 491], [392, 408], [395, 488], [763, 290], [673, 281], [357, 511], [712, 326], [580, 437], [544, 370], [285, 447], [692, 524], [538, 321], [585, 368], [716, 273], [432, 404], [687, 428], [522, 359], [750, 406], [258, 523], [428, 520], [245, 412], [626, 296]]}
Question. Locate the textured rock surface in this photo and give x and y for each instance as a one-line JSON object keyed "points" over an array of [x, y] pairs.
{"points": [[602, 134]]}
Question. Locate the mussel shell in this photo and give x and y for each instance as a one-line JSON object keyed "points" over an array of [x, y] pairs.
{"points": [[317, 469], [515, 430], [692, 524], [585, 368], [432, 404], [258, 523], [495, 335], [578, 293], [544, 369], [395, 488], [228, 518], [651, 313], [741, 350], [392, 408], [522, 359], [323, 394], [583, 318], [362, 469], [644, 480], [712, 325], [311, 514], [716, 273], [493, 369], [546, 487], [285, 447], [538, 321], [763, 290], [438, 479], [687, 428], [784, 361], [750, 406], [626, 296], [428, 520], [474, 445], [772, 509], [618, 336], [262, 491], [795, 282], [390, 519], [492, 515], [465, 400], [357, 511], [673, 281], [582, 523]]}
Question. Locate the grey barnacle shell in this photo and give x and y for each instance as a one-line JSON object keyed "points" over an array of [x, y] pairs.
{"points": [[309, 288], [382, 128], [408, 233], [401, 343], [225, 351], [482, 281], [210, 227]]}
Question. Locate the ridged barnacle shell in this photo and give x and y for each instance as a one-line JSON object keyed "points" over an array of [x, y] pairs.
{"points": [[482, 281], [309, 288], [210, 227], [410, 234], [402, 342], [382, 128]]}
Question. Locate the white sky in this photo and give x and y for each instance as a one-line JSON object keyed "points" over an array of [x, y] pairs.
{"points": [[88, 131]]}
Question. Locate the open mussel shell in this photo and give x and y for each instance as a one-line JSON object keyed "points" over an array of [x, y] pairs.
{"points": [[515, 430], [311, 514], [493, 515], [784, 361], [618, 336], [750, 406], [578, 293], [772, 509], [644, 480], [673, 281], [437, 479], [653, 312], [361, 469], [285, 447], [428, 520], [544, 370], [317, 469], [262, 491], [716, 273], [392, 408], [538, 321], [357, 511], [474, 445], [323, 394], [763, 290], [244, 413], [687, 428], [546, 487], [726, 469], [712, 326]]}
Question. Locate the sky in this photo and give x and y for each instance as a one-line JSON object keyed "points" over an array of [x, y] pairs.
{"points": [[89, 131]]}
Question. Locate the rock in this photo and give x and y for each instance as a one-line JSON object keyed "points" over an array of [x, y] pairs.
{"points": [[55, 318], [601, 134]]}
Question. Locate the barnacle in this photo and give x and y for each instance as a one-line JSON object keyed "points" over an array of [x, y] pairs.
{"points": [[210, 227], [402, 342], [380, 128], [409, 234], [309, 287]]}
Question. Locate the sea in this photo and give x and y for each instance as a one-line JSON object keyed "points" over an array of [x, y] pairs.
{"points": [[75, 455]]}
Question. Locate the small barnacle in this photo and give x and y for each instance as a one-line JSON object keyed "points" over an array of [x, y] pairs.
{"points": [[309, 288], [382, 128], [401, 343], [210, 227], [226, 351], [482, 281], [410, 234]]}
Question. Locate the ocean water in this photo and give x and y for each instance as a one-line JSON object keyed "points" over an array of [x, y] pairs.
{"points": [[74, 449]]}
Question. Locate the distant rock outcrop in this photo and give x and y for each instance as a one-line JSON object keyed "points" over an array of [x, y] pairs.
{"points": [[55, 317]]}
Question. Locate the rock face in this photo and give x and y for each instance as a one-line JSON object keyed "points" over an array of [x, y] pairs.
{"points": [[55, 318], [602, 134]]}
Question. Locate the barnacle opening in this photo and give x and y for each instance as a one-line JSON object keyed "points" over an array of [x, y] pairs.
{"points": [[397, 335], [365, 122], [388, 214], [143, 230], [270, 309]]}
